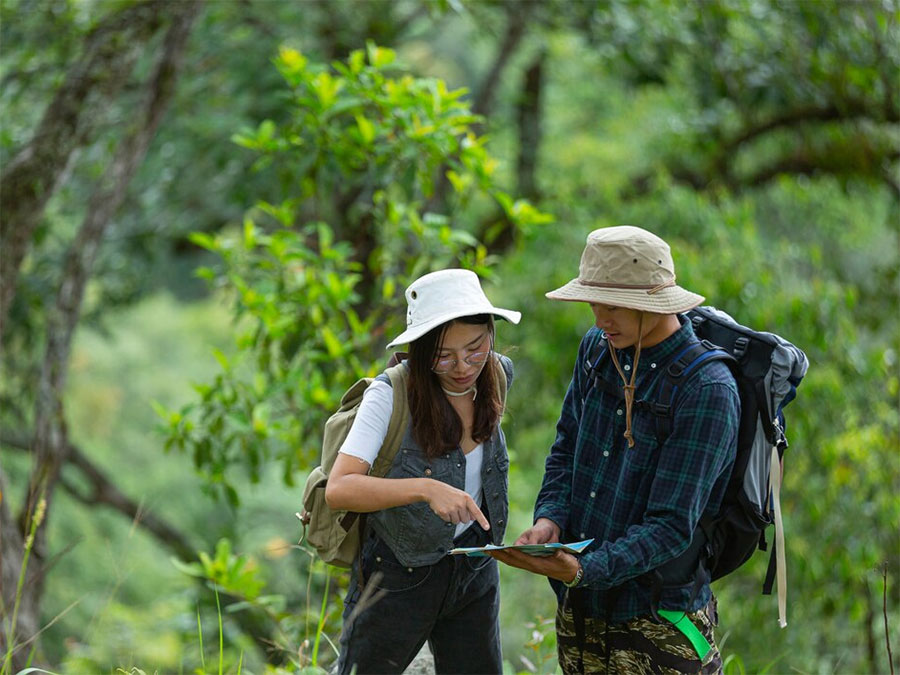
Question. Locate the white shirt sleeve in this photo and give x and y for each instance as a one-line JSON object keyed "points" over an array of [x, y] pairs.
{"points": [[371, 424]]}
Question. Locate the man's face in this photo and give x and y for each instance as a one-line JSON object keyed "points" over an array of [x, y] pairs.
{"points": [[621, 325]]}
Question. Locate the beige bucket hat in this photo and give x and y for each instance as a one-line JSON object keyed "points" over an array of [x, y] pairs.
{"points": [[630, 267], [441, 296]]}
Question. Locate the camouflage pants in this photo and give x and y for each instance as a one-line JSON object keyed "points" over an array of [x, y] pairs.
{"points": [[640, 645]]}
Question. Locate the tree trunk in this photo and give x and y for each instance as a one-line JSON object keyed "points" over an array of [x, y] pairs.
{"points": [[498, 232], [516, 23], [528, 116], [50, 443], [36, 171]]}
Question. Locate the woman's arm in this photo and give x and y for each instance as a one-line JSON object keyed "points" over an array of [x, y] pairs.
{"points": [[350, 488]]}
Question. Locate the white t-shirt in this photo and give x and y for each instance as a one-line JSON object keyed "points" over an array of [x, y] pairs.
{"points": [[370, 427]]}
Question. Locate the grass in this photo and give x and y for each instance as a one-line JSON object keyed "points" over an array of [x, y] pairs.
{"points": [[11, 639]]}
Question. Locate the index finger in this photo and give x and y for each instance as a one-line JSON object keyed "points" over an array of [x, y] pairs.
{"points": [[476, 514], [526, 537]]}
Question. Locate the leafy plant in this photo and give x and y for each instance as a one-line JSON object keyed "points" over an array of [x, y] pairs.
{"points": [[314, 278]]}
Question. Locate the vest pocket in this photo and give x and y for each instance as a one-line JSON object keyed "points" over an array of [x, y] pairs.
{"points": [[414, 465]]}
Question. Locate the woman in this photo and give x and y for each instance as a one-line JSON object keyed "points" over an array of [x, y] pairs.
{"points": [[446, 488]]}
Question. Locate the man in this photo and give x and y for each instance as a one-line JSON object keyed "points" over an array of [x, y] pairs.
{"points": [[608, 478]]}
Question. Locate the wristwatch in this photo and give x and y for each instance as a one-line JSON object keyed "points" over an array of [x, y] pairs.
{"points": [[577, 579]]}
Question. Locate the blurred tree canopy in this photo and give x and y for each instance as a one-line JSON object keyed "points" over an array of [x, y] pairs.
{"points": [[300, 163]]}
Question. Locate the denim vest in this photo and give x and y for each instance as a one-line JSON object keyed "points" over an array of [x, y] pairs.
{"points": [[415, 534]]}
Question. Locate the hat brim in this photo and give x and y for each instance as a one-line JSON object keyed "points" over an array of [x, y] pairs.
{"points": [[669, 300], [415, 332]]}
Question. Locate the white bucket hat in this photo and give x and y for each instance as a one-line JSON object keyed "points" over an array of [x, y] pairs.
{"points": [[441, 296], [630, 267]]}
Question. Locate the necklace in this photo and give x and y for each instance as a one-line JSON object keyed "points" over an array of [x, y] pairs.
{"points": [[462, 393]]}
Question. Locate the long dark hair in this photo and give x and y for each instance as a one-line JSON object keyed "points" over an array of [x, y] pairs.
{"points": [[436, 426]]}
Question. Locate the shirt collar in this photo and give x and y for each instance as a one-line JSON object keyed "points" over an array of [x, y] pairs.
{"points": [[662, 352]]}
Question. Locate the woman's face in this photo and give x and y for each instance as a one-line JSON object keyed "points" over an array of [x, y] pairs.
{"points": [[462, 342]]}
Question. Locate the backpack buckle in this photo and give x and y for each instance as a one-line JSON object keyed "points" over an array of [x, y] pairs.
{"points": [[740, 346], [660, 409], [781, 441]]}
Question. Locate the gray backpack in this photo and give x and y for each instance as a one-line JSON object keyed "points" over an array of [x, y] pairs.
{"points": [[767, 369]]}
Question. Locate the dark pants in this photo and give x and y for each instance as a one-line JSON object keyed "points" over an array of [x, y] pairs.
{"points": [[452, 604]]}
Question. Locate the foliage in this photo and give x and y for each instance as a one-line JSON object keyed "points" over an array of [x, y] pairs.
{"points": [[316, 287], [759, 138], [826, 101]]}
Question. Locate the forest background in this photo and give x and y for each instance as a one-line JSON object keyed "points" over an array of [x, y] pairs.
{"points": [[209, 212]]}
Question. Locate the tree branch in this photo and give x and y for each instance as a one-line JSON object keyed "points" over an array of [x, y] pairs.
{"points": [[104, 492], [805, 114], [803, 164], [36, 171]]}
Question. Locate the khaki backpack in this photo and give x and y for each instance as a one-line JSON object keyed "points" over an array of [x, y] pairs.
{"points": [[335, 535]]}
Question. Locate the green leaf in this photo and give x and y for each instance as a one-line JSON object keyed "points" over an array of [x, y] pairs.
{"points": [[203, 240], [265, 132], [366, 129], [380, 56], [388, 288], [291, 60], [249, 233], [191, 569], [356, 60], [332, 344], [221, 358]]}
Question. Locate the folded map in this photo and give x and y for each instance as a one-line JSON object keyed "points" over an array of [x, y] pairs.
{"points": [[575, 547]]}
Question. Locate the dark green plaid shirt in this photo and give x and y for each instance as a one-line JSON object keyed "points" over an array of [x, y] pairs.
{"points": [[639, 504]]}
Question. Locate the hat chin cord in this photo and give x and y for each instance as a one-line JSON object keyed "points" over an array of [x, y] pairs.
{"points": [[628, 385]]}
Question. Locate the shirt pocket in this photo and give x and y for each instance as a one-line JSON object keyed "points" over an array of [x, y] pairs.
{"points": [[645, 452]]}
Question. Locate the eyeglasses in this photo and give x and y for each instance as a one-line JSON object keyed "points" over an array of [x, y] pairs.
{"points": [[442, 366]]}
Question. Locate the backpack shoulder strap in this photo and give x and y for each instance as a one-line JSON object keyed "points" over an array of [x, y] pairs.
{"points": [[592, 370], [398, 376], [504, 381], [685, 363]]}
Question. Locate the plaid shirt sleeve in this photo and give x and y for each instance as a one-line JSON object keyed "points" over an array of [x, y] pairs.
{"points": [[691, 461], [554, 498]]}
